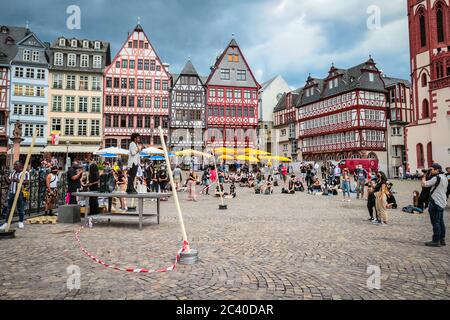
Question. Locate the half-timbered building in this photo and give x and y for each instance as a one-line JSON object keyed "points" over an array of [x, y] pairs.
{"points": [[187, 110], [344, 115], [232, 101], [136, 94]]}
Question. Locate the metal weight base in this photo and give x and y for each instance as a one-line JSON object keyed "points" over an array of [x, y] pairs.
{"points": [[189, 258], [8, 235], [223, 207]]}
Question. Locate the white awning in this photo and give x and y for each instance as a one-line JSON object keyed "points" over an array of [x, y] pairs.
{"points": [[71, 148], [24, 150]]}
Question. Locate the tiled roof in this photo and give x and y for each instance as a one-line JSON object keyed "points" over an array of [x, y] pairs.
{"points": [[8, 42]]}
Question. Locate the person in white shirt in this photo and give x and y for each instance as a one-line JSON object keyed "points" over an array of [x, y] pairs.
{"points": [[400, 172], [134, 160]]}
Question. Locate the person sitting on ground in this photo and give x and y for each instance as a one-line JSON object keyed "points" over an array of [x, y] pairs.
{"points": [[315, 187], [390, 196], [269, 185], [291, 185], [415, 206], [299, 187]]}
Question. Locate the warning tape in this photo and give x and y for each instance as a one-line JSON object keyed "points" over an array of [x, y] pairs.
{"points": [[130, 270]]}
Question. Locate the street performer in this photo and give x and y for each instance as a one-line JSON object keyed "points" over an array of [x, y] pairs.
{"points": [[134, 160]]}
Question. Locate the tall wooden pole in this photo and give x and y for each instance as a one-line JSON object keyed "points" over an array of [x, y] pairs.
{"points": [[22, 177], [174, 188]]}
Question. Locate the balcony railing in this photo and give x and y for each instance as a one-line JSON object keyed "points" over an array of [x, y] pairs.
{"points": [[344, 146], [440, 83]]}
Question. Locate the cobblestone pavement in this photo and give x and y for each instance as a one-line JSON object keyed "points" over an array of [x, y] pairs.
{"points": [[263, 247]]}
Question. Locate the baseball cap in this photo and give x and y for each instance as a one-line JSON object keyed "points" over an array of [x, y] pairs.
{"points": [[437, 166]]}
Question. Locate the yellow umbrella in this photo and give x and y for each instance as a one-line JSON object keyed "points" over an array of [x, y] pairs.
{"points": [[251, 151], [226, 157], [224, 150], [190, 153], [282, 159], [247, 158]]}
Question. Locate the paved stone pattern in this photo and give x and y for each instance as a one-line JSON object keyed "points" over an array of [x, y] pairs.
{"points": [[297, 247]]}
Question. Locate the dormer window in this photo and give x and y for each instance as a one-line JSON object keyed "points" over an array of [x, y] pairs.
{"points": [[371, 77], [73, 43], [10, 40], [97, 45], [62, 42], [86, 44], [4, 29]]}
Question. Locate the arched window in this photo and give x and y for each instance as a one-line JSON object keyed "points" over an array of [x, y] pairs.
{"points": [[423, 30], [373, 156], [356, 156], [430, 154], [420, 157], [424, 80], [440, 23], [425, 109]]}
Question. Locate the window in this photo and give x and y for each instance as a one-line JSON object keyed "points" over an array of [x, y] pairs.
{"points": [[116, 101], [40, 74], [212, 93], [58, 59], [74, 43], [69, 127], [124, 64], [84, 83], [157, 102], [123, 101], [97, 62], [440, 23], [82, 104], [96, 83], [95, 128], [229, 93], [146, 64], [132, 66], [84, 61], [165, 103], [123, 121], [95, 104], [82, 127], [423, 32], [140, 122], [70, 104], [71, 60], [130, 121], [86, 44], [108, 82], [152, 65], [29, 73], [26, 55], [140, 102], [420, 156], [140, 84], [148, 84], [35, 57], [241, 75], [97, 45], [148, 121], [19, 72], [371, 77], [17, 110], [57, 103], [165, 85], [28, 132], [424, 80], [56, 124], [116, 82], [131, 84], [110, 143], [124, 83], [224, 74], [62, 42], [148, 102], [396, 132], [131, 102], [115, 121], [40, 92], [28, 110], [425, 109], [157, 84], [220, 93], [140, 64], [130, 44], [430, 154], [18, 90]]}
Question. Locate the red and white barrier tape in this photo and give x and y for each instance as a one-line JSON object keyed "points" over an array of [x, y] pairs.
{"points": [[131, 270]]}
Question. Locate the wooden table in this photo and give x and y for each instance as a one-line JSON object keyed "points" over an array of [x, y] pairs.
{"points": [[140, 208]]}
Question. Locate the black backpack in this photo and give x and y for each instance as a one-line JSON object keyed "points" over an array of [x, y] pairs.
{"points": [[107, 183]]}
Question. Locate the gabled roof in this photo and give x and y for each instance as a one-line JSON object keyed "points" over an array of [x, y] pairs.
{"points": [[189, 69], [281, 105], [28, 36], [390, 82], [8, 49], [213, 79]]}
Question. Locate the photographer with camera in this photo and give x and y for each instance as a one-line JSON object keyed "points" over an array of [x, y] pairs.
{"points": [[438, 183]]}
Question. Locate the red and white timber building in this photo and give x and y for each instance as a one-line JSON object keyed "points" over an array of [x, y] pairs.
{"points": [[428, 136], [345, 115], [136, 94], [232, 101]]}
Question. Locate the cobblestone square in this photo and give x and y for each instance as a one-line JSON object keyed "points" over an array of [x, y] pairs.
{"points": [[298, 247]]}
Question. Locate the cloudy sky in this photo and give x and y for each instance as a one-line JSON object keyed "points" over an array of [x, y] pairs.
{"points": [[287, 37]]}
